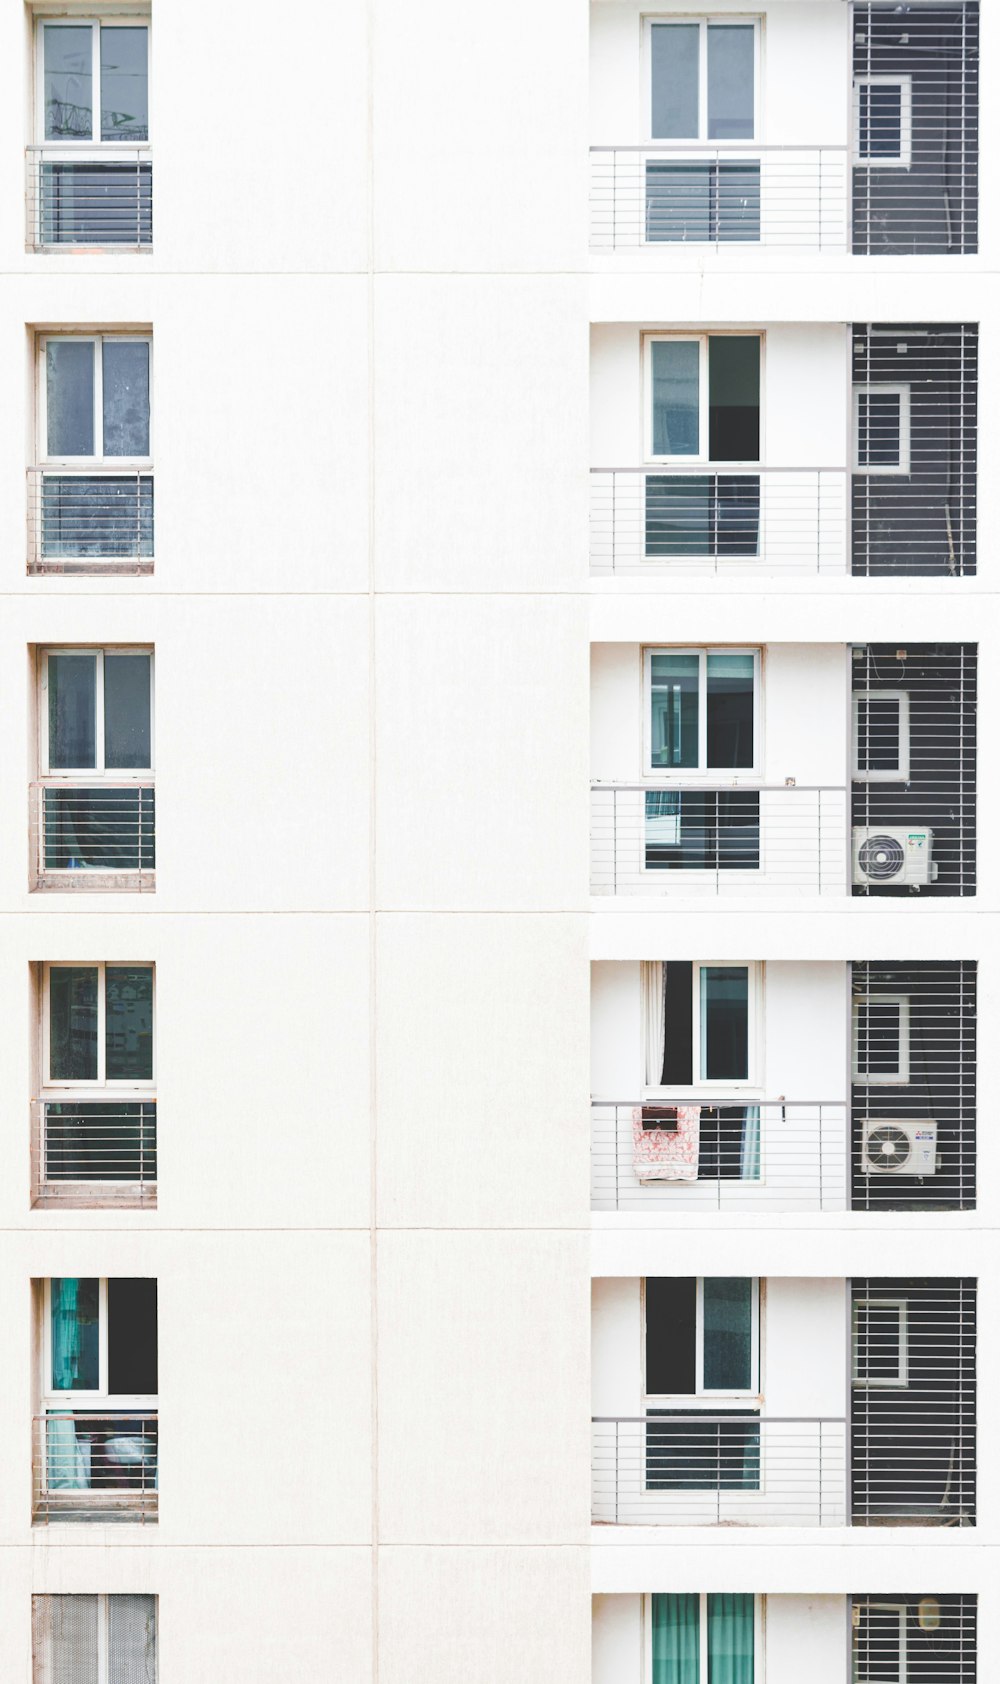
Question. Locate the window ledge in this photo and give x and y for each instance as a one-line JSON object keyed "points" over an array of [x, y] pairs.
{"points": [[83, 1195], [95, 883], [90, 569]]}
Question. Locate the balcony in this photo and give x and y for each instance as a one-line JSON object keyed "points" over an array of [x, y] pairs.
{"points": [[80, 522], [94, 1153], [97, 835], [95, 1465], [81, 196]]}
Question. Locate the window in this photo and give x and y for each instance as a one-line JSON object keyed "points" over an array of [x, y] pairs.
{"points": [[96, 760], [879, 1328], [98, 1114], [703, 397], [881, 1039], [99, 1385], [881, 736], [879, 1642], [92, 184], [94, 487], [102, 1639], [883, 121], [709, 1638], [702, 709], [701, 1024], [702, 1336], [703, 79], [882, 429]]}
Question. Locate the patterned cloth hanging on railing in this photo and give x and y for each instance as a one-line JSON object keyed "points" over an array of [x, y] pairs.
{"points": [[669, 1150]]}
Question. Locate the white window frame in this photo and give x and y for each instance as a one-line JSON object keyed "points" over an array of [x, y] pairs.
{"points": [[755, 1017], [898, 1608], [94, 21], [882, 1382], [905, 85], [99, 773], [758, 1637], [52, 1400], [41, 1663], [901, 1077], [98, 340], [702, 341], [902, 464], [119, 1088], [900, 775], [730, 19], [710, 777], [702, 1395]]}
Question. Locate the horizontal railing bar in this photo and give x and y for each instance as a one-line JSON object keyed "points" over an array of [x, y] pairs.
{"points": [[710, 148]]}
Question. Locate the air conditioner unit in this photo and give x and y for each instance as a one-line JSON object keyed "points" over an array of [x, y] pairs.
{"points": [[894, 855], [898, 1146]]}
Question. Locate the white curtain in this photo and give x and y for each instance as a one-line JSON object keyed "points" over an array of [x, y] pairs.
{"points": [[653, 1022]]}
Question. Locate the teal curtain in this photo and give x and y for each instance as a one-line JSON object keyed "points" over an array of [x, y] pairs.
{"points": [[676, 1639], [730, 1639], [75, 1348]]}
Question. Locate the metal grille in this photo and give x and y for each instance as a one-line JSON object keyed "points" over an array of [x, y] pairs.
{"points": [[916, 103], [104, 1639], [87, 196], [913, 1402], [914, 817], [98, 827], [915, 1073], [98, 1141], [913, 492], [914, 1639]]}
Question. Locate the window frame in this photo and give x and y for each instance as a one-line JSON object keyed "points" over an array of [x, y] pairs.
{"points": [[114, 1086], [877, 470], [904, 82], [120, 1403], [899, 1608], [702, 1396], [94, 21], [702, 774], [67, 464], [701, 339], [100, 773], [902, 773], [703, 1595], [901, 1077], [704, 20], [755, 1019], [901, 1380], [41, 1662]]}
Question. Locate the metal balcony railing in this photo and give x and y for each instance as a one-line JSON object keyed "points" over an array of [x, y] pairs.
{"points": [[86, 518], [741, 195], [695, 840], [718, 520], [97, 1144], [728, 1467], [97, 827], [89, 195], [719, 1153], [95, 1464]]}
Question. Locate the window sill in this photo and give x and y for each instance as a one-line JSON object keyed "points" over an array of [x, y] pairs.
{"points": [[84, 1195], [94, 883], [89, 569]]}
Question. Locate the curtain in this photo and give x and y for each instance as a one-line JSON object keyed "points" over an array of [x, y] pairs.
{"points": [[750, 1144], [730, 1639], [67, 1457], [677, 1639], [652, 982], [67, 1334]]}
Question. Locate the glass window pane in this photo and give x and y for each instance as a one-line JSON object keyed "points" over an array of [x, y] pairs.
{"points": [[75, 1342], [73, 1023], [725, 1019], [879, 734], [734, 398], [880, 120], [730, 1639], [675, 710], [878, 1037], [127, 736], [674, 113], [730, 81], [69, 397], [879, 429], [675, 397], [126, 397], [72, 681], [129, 1023], [676, 1639], [728, 1307], [69, 79], [124, 84], [729, 710], [132, 1337]]}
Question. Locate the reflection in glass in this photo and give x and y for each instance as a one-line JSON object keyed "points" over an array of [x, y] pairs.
{"points": [[69, 81], [73, 1023], [72, 686]]}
